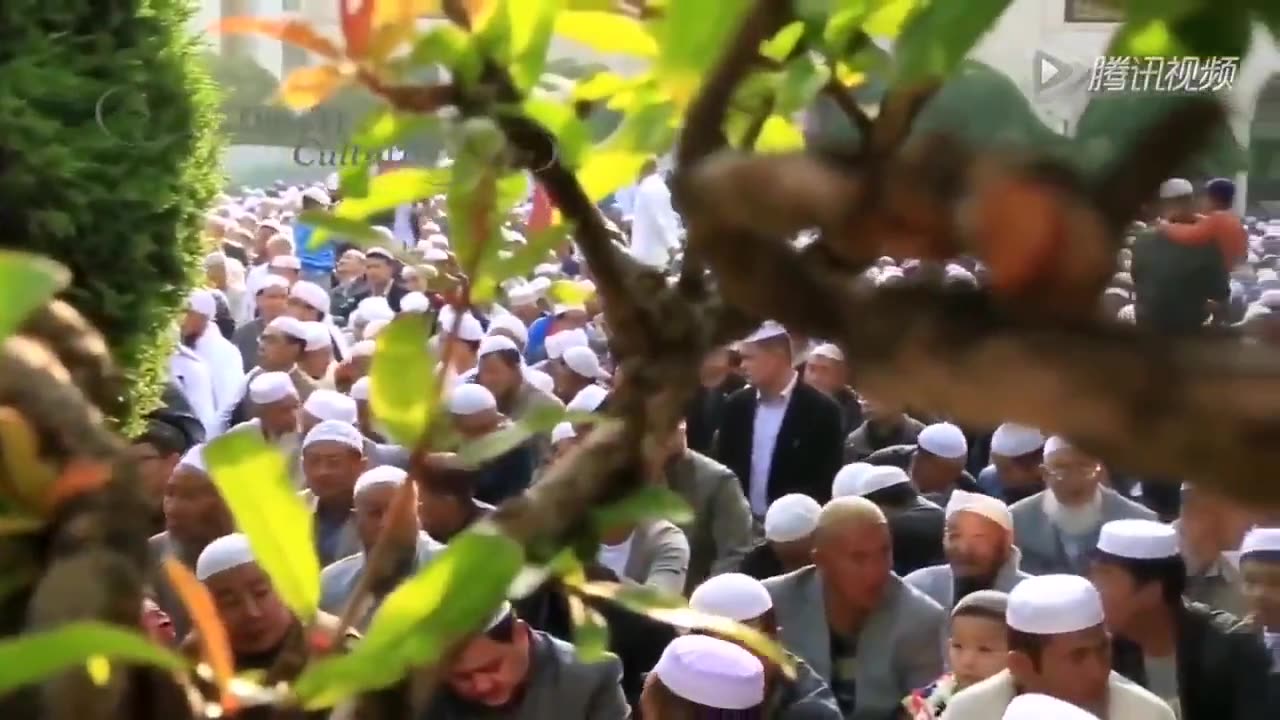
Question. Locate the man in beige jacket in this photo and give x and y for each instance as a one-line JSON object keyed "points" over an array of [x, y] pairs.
{"points": [[1059, 647]]}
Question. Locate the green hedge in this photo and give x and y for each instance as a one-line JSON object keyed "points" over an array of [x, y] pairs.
{"points": [[116, 195]]}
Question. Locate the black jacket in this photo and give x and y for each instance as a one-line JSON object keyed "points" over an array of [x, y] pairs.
{"points": [[807, 454], [916, 526], [705, 411], [1222, 666], [1173, 283], [761, 562]]}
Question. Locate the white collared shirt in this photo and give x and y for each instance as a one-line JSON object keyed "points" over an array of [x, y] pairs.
{"points": [[764, 439]]}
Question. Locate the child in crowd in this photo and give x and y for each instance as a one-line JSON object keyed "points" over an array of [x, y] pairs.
{"points": [[978, 648]]}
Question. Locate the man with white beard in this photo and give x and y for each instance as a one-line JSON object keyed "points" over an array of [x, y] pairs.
{"points": [[1057, 529]]}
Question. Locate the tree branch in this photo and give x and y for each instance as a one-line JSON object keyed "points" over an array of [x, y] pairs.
{"points": [[843, 100]]}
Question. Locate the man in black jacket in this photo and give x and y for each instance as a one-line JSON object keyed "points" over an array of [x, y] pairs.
{"points": [[778, 435], [1204, 663]]}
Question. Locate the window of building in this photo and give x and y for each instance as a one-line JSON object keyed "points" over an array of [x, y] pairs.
{"points": [[1094, 11]]}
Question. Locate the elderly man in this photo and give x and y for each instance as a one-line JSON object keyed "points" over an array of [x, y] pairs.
{"points": [[826, 371], [1058, 646], [745, 599], [872, 637], [1017, 453], [474, 412], [979, 548], [1201, 662], [788, 537], [220, 355], [374, 514], [915, 524], [1057, 529], [332, 461], [281, 347], [935, 462], [269, 302]]}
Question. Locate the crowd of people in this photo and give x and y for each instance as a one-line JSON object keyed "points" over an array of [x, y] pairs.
{"points": [[911, 568]]}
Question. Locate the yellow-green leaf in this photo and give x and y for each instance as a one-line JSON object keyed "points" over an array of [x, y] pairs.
{"points": [[779, 135], [590, 631], [446, 601], [382, 129], [802, 79], [531, 23], [27, 283], [691, 37], [604, 172], [781, 45], [402, 379], [571, 134], [540, 420], [253, 478], [937, 39], [33, 657], [888, 17], [610, 33], [600, 86], [648, 503], [307, 87], [393, 189], [327, 225], [649, 128]]}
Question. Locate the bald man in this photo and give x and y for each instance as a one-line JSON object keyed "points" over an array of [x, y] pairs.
{"points": [[868, 634]]}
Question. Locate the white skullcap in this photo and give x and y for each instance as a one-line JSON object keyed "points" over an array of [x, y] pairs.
{"points": [[1054, 444], [360, 389], [364, 348], [1138, 539], [312, 294], [540, 285], [588, 399], [194, 459], [317, 335], [546, 269], [383, 253], [271, 281], [562, 308], [203, 302], [471, 398], [711, 672], [215, 259], [335, 431], [944, 440], [285, 262], [325, 404], [561, 432], [522, 295], [271, 387], [438, 240], [1260, 540], [414, 302], [1054, 605], [290, 326], [769, 329], [848, 479], [1176, 188], [539, 379], [434, 254], [496, 343], [791, 517], [558, 343], [1013, 440], [733, 595], [1034, 706], [468, 326], [879, 477], [829, 351], [583, 361], [375, 308], [1270, 299], [225, 553], [511, 324], [381, 475], [317, 195], [372, 328], [988, 507]]}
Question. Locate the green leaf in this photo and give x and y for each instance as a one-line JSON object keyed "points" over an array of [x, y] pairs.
{"points": [[645, 128], [472, 205], [648, 503], [691, 37], [27, 283], [33, 657], [779, 135], [888, 17], [328, 225], [590, 631], [571, 134], [802, 79], [402, 379], [600, 86], [534, 252], [253, 478], [604, 172], [454, 595], [844, 29], [780, 46], [443, 44], [393, 189], [380, 131], [936, 39], [607, 32], [531, 23], [541, 420]]}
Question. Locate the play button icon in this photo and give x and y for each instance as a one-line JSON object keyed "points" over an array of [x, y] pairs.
{"points": [[1048, 71]]}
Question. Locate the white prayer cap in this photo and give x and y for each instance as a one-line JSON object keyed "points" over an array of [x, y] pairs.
{"points": [[511, 324], [1270, 299], [829, 351], [879, 477], [944, 440], [312, 294], [496, 343], [546, 269], [583, 361], [1176, 188], [1013, 440], [285, 262], [290, 326], [214, 259], [364, 348], [1138, 539], [558, 343], [562, 308], [360, 389], [438, 240], [317, 335], [335, 431], [271, 281], [471, 398], [539, 379], [791, 517], [372, 328], [414, 302], [271, 387], [978, 504], [1054, 605], [468, 329], [381, 475], [203, 302], [225, 553], [325, 404], [733, 595], [375, 308], [769, 329], [848, 478], [1055, 444], [522, 295], [317, 195], [540, 285], [194, 459], [1260, 540], [588, 399], [379, 252], [711, 672], [1034, 706], [561, 432], [434, 254]]}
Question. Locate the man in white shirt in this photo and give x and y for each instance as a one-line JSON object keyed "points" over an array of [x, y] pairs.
{"points": [[655, 228]]}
